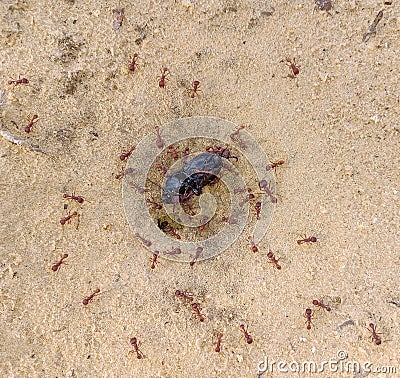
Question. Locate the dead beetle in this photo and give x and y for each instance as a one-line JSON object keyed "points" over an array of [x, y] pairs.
{"points": [[202, 170]]}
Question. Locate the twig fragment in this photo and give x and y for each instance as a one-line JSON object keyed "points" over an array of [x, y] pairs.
{"points": [[372, 28]]}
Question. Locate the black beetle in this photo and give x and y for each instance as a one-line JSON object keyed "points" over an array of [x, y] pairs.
{"points": [[195, 183], [202, 170]]}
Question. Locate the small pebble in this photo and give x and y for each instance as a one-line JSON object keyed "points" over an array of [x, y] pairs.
{"points": [[346, 323], [325, 5], [118, 18]]}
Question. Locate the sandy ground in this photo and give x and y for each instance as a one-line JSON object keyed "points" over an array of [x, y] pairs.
{"points": [[336, 125]]}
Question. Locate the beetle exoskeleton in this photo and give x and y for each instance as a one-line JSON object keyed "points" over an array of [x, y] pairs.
{"points": [[194, 176]]}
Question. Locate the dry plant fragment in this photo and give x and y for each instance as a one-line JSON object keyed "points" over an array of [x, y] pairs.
{"points": [[372, 28]]}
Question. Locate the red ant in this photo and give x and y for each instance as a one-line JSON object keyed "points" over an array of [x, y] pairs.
{"points": [[311, 239], [136, 349], [174, 153], [273, 260], [219, 340], [196, 309], [90, 297], [68, 218], [254, 248], [78, 199], [195, 89], [235, 137], [166, 227], [19, 81], [308, 316], [199, 250], [263, 184], [143, 240], [185, 155], [321, 305], [183, 295], [274, 165], [164, 73], [248, 338], [31, 123], [127, 171], [375, 336], [248, 197], [56, 266], [125, 155], [257, 206], [155, 204], [154, 259], [133, 64], [160, 143], [295, 69]]}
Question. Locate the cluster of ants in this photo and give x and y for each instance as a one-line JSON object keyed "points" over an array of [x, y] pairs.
{"points": [[63, 221], [164, 73], [35, 117], [291, 63], [196, 308], [294, 71], [316, 303], [78, 199], [263, 185], [309, 314], [167, 228], [188, 299]]}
